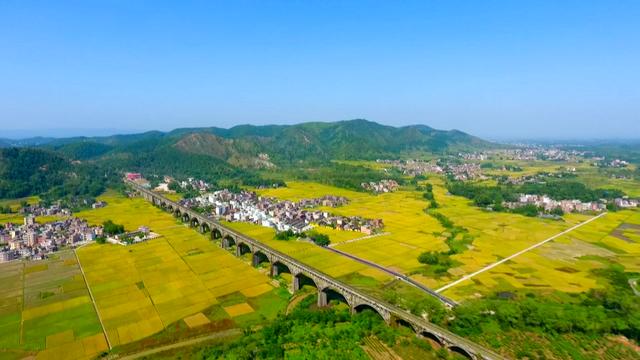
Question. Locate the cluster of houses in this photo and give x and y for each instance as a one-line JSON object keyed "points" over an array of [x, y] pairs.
{"points": [[616, 163], [465, 171], [285, 215], [196, 184], [568, 206], [133, 237], [413, 167], [539, 178], [525, 152], [626, 203], [38, 210], [31, 240], [382, 186], [138, 179]]}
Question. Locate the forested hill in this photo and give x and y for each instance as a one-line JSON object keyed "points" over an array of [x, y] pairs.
{"points": [[284, 144], [28, 171]]}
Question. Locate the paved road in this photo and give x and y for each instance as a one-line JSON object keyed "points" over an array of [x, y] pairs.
{"points": [[398, 275], [489, 267], [189, 342]]}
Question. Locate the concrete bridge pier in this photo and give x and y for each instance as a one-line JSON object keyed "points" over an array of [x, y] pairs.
{"points": [[296, 284], [322, 298]]}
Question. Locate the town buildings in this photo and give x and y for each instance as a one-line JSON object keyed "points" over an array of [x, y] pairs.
{"points": [[284, 215], [32, 240]]}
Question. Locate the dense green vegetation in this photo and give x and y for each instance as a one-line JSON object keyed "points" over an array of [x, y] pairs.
{"points": [[110, 228], [285, 235], [583, 317], [457, 239], [318, 238], [306, 333], [26, 171], [342, 175]]}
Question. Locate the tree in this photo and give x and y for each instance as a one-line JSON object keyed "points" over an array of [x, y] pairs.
{"points": [[111, 228], [320, 239], [557, 211], [428, 257]]}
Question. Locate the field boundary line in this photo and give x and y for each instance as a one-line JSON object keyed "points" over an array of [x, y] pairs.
{"points": [[93, 300], [358, 239], [491, 266]]}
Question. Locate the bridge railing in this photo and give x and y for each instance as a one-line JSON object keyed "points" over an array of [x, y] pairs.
{"points": [[396, 311]]}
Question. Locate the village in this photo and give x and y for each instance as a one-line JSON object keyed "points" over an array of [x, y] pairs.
{"points": [[32, 240], [382, 186], [568, 206], [465, 171], [247, 206]]}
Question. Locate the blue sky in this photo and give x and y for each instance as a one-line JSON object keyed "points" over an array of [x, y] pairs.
{"points": [[499, 69]]}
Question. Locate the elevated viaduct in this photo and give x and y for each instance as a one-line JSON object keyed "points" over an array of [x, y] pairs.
{"points": [[328, 287]]}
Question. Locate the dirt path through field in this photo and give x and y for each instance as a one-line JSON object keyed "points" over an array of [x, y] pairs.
{"points": [[217, 335]]}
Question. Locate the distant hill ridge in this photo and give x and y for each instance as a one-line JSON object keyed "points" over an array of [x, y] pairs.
{"points": [[241, 145]]}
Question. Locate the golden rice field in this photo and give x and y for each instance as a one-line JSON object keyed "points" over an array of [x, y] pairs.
{"points": [[332, 264], [411, 230], [45, 309], [496, 235], [564, 264], [143, 288]]}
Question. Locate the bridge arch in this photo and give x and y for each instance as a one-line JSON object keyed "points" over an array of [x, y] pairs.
{"points": [[242, 248], [215, 233], [432, 338], [259, 257], [402, 323], [329, 294], [194, 222], [301, 279], [460, 351], [228, 241], [278, 267], [186, 218], [366, 307], [205, 228]]}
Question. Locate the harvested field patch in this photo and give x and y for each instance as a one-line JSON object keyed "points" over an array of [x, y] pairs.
{"points": [[238, 309], [196, 320]]}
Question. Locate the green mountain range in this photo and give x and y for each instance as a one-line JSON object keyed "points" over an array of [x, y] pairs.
{"points": [[242, 145], [29, 166]]}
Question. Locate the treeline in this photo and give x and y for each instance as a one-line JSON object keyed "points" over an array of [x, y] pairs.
{"points": [[343, 175], [597, 313], [494, 196]]}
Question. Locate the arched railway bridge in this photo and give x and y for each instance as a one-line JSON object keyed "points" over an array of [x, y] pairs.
{"points": [[328, 287]]}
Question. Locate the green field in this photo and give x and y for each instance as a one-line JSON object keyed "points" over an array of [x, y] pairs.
{"points": [[45, 307]]}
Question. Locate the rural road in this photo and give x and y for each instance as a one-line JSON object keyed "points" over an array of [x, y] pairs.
{"points": [[489, 267], [193, 341]]}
